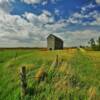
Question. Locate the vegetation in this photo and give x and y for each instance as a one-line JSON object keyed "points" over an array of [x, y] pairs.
{"points": [[95, 45], [75, 77]]}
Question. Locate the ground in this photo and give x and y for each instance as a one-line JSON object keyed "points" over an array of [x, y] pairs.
{"points": [[75, 77]]}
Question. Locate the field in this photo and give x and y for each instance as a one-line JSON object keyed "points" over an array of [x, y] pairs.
{"points": [[76, 76]]}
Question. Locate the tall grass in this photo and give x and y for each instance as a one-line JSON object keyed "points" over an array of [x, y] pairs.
{"points": [[74, 79]]}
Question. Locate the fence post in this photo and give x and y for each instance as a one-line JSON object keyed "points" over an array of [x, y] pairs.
{"points": [[23, 82]]}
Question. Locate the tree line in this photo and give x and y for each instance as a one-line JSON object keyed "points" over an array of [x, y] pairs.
{"points": [[95, 44]]}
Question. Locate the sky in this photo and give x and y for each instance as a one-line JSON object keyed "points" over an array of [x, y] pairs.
{"points": [[27, 23]]}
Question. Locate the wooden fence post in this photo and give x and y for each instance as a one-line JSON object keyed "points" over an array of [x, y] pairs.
{"points": [[23, 82]]}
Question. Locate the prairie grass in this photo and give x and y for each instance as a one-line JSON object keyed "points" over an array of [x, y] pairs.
{"points": [[92, 93], [76, 78]]}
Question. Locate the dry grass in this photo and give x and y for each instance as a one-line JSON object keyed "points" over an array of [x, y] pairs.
{"points": [[95, 58], [63, 67], [92, 93], [70, 50], [41, 74], [61, 85], [66, 69]]}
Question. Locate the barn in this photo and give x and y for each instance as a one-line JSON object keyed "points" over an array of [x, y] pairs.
{"points": [[54, 43]]}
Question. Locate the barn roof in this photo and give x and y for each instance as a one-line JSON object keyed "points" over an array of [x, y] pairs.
{"points": [[55, 37]]}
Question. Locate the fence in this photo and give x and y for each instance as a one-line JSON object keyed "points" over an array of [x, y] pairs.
{"points": [[23, 79], [23, 82]]}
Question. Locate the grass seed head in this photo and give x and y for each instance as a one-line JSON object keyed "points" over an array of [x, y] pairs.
{"points": [[92, 93], [41, 74]]}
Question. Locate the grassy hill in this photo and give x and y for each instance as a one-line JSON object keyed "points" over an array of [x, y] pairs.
{"points": [[76, 77]]}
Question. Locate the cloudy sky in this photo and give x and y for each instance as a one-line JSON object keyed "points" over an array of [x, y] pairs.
{"points": [[27, 23]]}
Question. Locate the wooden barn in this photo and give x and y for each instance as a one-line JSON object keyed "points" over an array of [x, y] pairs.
{"points": [[54, 43]]}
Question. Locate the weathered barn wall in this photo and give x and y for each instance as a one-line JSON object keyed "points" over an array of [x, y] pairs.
{"points": [[58, 44], [54, 43], [51, 43]]}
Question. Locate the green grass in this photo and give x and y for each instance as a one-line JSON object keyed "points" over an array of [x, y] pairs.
{"points": [[77, 78]]}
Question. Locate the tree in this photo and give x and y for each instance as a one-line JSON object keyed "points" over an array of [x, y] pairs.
{"points": [[98, 43], [92, 43]]}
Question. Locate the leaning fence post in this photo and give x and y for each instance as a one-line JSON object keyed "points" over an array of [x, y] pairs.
{"points": [[23, 82]]}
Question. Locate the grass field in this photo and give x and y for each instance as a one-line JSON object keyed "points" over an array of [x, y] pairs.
{"points": [[77, 77]]}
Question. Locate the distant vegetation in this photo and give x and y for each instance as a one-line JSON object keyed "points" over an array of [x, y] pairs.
{"points": [[95, 45]]}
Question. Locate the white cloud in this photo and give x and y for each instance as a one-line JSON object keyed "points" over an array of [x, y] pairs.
{"points": [[98, 1], [5, 5], [44, 2], [45, 17], [15, 30], [57, 12], [78, 17], [96, 16], [31, 1], [55, 1], [1, 1]]}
